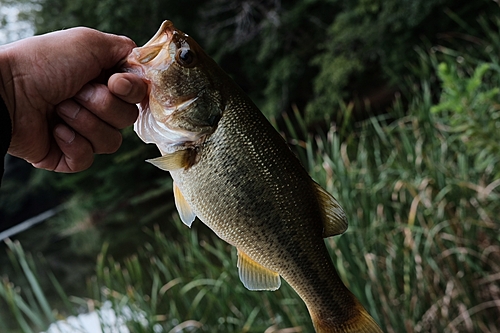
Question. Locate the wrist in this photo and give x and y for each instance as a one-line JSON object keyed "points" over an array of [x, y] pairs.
{"points": [[7, 92], [5, 112]]}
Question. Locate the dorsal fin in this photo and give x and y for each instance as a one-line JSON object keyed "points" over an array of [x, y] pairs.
{"points": [[334, 219], [185, 212], [255, 276]]}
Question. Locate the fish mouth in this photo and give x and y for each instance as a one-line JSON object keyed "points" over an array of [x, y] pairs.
{"points": [[163, 35], [150, 55], [156, 49]]}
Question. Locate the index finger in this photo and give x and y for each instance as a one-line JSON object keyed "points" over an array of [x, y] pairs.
{"points": [[111, 109], [128, 87]]}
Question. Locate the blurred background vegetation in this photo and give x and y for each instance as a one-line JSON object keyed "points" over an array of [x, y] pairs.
{"points": [[393, 106]]}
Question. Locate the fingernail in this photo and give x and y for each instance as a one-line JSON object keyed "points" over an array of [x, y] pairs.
{"points": [[64, 133], [69, 109], [123, 87], [85, 93]]}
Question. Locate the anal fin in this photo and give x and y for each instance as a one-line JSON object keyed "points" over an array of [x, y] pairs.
{"points": [[334, 219], [185, 212], [255, 276]]}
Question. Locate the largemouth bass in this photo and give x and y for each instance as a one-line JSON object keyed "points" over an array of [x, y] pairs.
{"points": [[235, 172]]}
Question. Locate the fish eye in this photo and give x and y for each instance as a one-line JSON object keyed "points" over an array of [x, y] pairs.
{"points": [[186, 57]]}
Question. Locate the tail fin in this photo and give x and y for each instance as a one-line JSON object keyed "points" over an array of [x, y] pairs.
{"points": [[361, 323]]}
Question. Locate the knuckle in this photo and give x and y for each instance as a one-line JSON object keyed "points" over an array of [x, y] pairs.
{"points": [[84, 164], [82, 161], [110, 145], [103, 99], [129, 115], [77, 156]]}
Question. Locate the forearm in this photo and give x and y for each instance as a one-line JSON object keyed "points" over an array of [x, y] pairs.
{"points": [[5, 117], [6, 78]]}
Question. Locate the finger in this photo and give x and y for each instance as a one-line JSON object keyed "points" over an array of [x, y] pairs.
{"points": [[69, 153], [104, 138], [129, 87], [103, 104]]}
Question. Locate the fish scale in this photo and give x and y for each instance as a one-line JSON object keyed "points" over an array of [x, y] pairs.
{"points": [[240, 178], [265, 230]]}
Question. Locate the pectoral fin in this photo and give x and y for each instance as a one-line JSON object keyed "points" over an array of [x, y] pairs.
{"points": [[255, 276], [173, 161], [334, 219], [185, 212]]}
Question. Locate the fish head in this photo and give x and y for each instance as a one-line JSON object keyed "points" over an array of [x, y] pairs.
{"points": [[184, 104]]}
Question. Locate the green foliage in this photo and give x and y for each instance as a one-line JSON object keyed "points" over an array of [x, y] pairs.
{"points": [[472, 105], [136, 19], [370, 43], [317, 54], [15, 18]]}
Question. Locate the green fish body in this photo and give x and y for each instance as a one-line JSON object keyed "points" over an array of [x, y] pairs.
{"points": [[234, 171]]}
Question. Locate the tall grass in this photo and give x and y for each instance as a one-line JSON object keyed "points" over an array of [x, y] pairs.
{"points": [[29, 306], [422, 250], [192, 283]]}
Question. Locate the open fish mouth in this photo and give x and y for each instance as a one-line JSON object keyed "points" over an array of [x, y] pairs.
{"points": [[149, 51], [154, 53], [164, 34]]}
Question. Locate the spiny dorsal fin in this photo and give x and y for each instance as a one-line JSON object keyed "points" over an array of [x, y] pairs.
{"points": [[255, 276], [173, 161], [335, 221], [185, 212]]}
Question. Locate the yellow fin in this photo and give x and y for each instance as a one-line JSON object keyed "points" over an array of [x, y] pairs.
{"points": [[173, 161], [185, 212], [255, 276], [334, 219], [360, 322]]}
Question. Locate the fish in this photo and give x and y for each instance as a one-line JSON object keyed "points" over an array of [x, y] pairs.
{"points": [[236, 173]]}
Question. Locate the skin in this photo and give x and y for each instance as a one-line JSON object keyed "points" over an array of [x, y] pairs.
{"points": [[64, 105]]}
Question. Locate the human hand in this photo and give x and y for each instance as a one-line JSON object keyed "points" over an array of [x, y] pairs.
{"points": [[62, 114]]}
